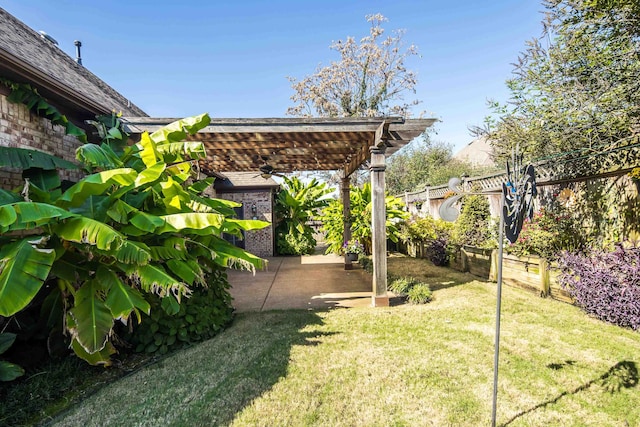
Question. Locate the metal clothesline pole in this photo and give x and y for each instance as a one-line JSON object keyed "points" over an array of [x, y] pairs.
{"points": [[496, 354]]}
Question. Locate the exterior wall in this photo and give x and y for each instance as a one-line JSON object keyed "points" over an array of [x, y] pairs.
{"points": [[19, 128], [258, 242]]}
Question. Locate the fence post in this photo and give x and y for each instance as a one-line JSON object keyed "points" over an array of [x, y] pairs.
{"points": [[545, 280], [493, 271]]}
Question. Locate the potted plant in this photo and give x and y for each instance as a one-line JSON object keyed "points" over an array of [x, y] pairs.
{"points": [[353, 249]]}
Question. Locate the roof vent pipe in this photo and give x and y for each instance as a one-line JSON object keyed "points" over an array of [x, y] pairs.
{"points": [[78, 43]]}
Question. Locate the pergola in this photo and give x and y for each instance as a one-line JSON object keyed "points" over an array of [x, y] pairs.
{"points": [[309, 144]]}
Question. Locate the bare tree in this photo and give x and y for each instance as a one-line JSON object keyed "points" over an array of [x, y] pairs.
{"points": [[369, 80]]}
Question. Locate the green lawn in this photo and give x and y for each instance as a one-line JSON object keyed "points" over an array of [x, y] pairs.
{"points": [[404, 365]]}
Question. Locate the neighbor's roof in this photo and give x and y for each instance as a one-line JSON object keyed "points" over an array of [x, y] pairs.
{"points": [[293, 144], [478, 152], [244, 180], [26, 56]]}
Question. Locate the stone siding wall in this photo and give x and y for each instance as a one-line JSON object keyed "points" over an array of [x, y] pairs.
{"points": [[258, 242], [20, 128]]}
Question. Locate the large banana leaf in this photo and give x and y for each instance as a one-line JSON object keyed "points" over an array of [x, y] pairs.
{"points": [[44, 185], [153, 278], [172, 248], [121, 299], [180, 171], [231, 256], [181, 151], [199, 186], [22, 158], [119, 211], [188, 271], [178, 130], [132, 253], [150, 174], [92, 320], [94, 156], [87, 230], [96, 184], [28, 215], [94, 207], [23, 270], [210, 222], [101, 357], [147, 150], [205, 204], [8, 197]]}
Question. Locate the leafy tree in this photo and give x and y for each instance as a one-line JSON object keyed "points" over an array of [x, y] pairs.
{"points": [[370, 79], [425, 162], [136, 225], [577, 87], [333, 219], [296, 204]]}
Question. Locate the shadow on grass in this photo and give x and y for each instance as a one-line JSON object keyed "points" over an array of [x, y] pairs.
{"points": [[621, 375], [269, 338], [438, 278]]}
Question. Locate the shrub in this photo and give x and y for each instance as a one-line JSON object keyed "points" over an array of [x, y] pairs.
{"points": [[473, 226], [295, 243], [605, 284], [366, 262], [401, 286], [201, 316], [434, 234], [419, 294], [549, 232]]}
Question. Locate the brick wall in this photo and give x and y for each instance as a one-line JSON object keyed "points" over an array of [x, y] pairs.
{"points": [[258, 242], [20, 128]]}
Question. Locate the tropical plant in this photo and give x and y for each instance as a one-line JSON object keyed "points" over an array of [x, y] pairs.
{"points": [[360, 218], [296, 204], [370, 79], [136, 225], [8, 371]]}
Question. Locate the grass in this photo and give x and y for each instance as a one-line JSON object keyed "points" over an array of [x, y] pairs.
{"points": [[399, 366]]}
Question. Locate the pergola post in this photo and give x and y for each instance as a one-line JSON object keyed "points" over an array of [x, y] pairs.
{"points": [[378, 227], [346, 212]]}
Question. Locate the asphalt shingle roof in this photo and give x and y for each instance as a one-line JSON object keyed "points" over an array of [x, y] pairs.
{"points": [[28, 50]]}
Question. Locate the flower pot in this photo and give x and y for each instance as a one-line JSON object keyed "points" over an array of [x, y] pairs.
{"points": [[349, 256]]}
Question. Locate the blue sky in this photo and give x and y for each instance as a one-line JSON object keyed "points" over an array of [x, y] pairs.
{"points": [[231, 58]]}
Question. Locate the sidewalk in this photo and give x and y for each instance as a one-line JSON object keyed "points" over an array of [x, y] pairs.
{"points": [[309, 281]]}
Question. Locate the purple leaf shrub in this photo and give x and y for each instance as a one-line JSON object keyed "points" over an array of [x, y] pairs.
{"points": [[605, 284]]}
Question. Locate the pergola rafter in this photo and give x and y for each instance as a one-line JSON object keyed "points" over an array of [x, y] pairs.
{"points": [[307, 144]]}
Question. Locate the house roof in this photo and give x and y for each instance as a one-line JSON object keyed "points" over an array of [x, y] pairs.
{"points": [[243, 180], [26, 56], [293, 144], [478, 152]]}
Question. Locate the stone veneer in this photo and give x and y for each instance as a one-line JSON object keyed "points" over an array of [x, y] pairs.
{"points": [[258, 242], [20, 128]]}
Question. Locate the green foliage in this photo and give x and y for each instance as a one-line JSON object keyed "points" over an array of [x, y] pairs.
{"points": [[419, 294], [550, 231], [434, 235], [473, 226], [401, 286], [416, 291], [577, 86], [135, 226], [333, 219], [24, 93], [424, 163], [296, 204], [200, 317], [8, 371]]}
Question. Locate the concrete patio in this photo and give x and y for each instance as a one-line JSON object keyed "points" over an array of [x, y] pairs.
{"points": [[302, 282]]}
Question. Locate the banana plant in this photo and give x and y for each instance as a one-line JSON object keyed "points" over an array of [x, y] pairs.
{"points": [[333, 219], [136, 224]]}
